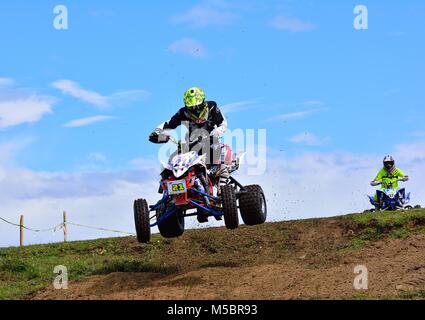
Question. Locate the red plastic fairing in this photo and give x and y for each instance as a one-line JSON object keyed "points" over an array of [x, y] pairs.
{"points": [[182, 199]]}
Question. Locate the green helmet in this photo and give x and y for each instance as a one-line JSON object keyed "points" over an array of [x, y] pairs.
{"points": [[194, 97], [196, 108]]}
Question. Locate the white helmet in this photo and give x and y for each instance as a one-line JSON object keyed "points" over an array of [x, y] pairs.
{"points": [[389, 164]]}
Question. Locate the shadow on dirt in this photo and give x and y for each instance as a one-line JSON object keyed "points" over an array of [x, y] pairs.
{"points": [[220, 264], [135, 266]]}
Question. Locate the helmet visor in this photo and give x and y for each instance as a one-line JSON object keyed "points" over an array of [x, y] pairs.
{"points": [[389, 164], [197, 111]]}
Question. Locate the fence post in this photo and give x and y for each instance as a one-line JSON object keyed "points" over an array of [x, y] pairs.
{"points": [[65, 228], [21, 231]]}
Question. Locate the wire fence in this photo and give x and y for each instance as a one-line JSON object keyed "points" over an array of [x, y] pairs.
{"points": [[62, 226], [54, 229], [101, 229]]}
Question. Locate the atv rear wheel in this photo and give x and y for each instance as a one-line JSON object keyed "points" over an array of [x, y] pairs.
{"points": [[142, 221], [173, 226], [230, 208], [253, 206]]}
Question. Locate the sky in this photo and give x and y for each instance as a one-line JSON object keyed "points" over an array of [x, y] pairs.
{"points": [[77, 105]]}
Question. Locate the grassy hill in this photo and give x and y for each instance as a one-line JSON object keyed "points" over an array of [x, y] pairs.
{"points": [[288, 260]]}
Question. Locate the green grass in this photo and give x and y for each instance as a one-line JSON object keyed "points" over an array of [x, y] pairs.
{"points": [[361, 296], [27, 270], [412, 295], [388, 219], [393, 225]]}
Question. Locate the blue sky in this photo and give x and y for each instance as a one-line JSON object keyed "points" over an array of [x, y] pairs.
{"points": [[296, 68]]}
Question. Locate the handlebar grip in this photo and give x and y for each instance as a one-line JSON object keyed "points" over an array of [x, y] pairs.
{"points": [[375, 183]]}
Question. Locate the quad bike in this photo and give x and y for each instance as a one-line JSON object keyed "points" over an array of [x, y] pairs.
{"points": [[189, 189], [392, 199]]}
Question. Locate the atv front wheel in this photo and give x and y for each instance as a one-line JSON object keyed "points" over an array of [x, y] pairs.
{"points": [[142, 221], [230, 208], [253, 206], [172, 226]]}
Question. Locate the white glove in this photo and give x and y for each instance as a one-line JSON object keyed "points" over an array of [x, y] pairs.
{"points": [[375, 183], [219, 131]]}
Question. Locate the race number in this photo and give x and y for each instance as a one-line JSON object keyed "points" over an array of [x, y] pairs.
{"points": [[177, 187]]}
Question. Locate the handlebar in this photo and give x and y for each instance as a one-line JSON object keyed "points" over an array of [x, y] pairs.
{"points": [[174, 140], [179, 142], [377, 183]]}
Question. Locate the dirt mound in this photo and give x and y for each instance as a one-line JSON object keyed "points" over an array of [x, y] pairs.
{"points": [[290, 260]]}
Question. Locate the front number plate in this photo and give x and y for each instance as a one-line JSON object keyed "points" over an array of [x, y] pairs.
{"points": [[177, 187]]}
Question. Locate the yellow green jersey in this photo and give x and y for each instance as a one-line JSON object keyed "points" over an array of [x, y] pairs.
{"points": [[389, 180]]}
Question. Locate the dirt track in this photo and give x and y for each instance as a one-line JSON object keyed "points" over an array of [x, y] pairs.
{"points": [[310, 264]]}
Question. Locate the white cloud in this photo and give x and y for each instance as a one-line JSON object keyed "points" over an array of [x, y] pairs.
{"points": [[236, 106], [24, 109], [97, 157], [397, 34], [10, 148], [145, 164], [313, 103], [301, 114], [418, 134], [19, 106], [128, 96], [410, 153], [72, 88], [87, 121], [218, 13], [291, 24], [308, 139], [189, 47], [290, 116], [6, 82]]}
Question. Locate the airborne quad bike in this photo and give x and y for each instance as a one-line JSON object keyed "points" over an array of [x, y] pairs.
{"points": [[392, 199], [190, 189]]}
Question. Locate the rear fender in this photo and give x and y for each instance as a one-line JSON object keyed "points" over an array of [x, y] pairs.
{"points": [[238, 161]]}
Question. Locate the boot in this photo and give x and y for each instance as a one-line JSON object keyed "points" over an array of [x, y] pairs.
{"points": [[202, 217]]}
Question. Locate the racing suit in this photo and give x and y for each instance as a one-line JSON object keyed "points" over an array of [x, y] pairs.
{"points": [[214, 126], [389, 180]]}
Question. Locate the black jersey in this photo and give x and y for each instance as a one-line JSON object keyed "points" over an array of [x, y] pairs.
{"points": [[215, 119]]}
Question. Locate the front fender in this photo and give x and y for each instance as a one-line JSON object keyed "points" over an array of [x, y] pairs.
{"points": [[372, 200], [407, 198]]}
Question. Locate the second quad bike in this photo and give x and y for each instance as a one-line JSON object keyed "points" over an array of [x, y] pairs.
{"points": [[189, 188], [392, 199]]}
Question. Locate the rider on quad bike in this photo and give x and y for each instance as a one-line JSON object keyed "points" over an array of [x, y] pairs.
{"points": [[206, 124], [388, 177]]}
